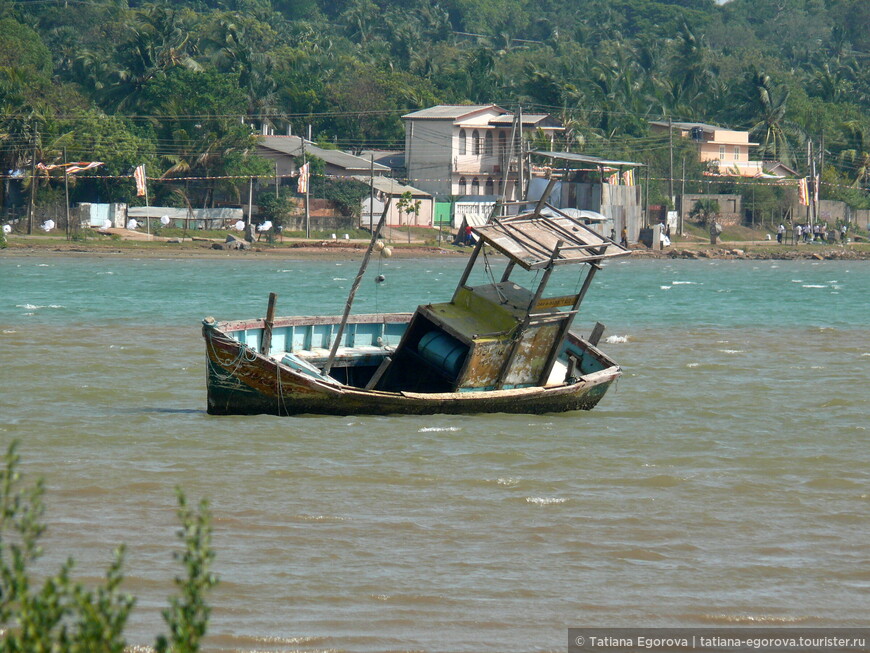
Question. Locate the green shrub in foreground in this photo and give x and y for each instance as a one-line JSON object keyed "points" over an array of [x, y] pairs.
{"points": [[63, 615]]}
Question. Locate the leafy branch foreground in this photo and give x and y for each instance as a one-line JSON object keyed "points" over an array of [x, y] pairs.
{"points": [[63, 615]]}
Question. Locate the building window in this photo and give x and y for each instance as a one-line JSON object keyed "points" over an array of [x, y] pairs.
{"points": [[502, 143], [462, 185], [475, 143], [462, 141], [475, 187], [490, 187], [721, 152], [487, 144], [736, 153]]}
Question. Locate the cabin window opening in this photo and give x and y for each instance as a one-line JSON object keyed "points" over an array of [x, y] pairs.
{"points": [[462, 145], [475, 143], [487, 144]]}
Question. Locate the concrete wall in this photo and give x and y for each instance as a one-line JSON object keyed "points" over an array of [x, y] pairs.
{"points": [[730, 206]]}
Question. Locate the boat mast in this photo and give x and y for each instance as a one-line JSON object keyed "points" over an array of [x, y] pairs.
{"points": [[356, 282]]}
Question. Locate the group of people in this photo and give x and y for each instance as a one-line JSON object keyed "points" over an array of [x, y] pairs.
{"points": [[808, 233]]}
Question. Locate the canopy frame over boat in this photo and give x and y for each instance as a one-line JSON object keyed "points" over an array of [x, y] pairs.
{"points": [[491, 348]]}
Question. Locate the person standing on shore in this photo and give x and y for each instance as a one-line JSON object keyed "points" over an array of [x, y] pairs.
{"points": [[623, 238], [797, 234], [780, 233]]}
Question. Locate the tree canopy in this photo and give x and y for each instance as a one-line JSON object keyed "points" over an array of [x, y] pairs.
{"points": [[184, 81]]}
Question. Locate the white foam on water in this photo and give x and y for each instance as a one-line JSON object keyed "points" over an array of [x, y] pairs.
{"points": [[685, 283], [43, 265], [545, 501], [438, 429], [339, 279], [813, 285], [692, 364], [510, 482], [797, 280], [29, 307], [665, 287], [866, 353], [14, 331], [732, 351], [612, 340]]}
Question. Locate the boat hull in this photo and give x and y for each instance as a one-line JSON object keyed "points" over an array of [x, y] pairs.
{"points": [[241, 381]]}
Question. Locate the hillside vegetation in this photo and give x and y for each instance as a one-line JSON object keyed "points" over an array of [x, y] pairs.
{"points": [[177, 85]]}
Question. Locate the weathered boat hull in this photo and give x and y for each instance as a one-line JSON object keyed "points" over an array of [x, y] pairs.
{"points": [[241, 381]]}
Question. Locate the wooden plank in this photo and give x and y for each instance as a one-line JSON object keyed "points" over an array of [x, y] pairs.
{"points": [[597, 332], [379, 373], [266, 344], [553, 302]]}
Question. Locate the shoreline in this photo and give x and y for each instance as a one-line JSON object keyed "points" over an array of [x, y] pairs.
{"points": [[353, 250]]}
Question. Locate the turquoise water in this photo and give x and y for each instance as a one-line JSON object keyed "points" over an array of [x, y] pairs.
{"points": [[724, 480]]}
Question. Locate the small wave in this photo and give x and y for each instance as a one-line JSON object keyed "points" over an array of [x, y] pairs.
{"points": [[545, 501], [639, 554], [684, 283], [612, 340], [8, 331], [438, 429], [43, 265], [508, 481], [732, 351], [693, 364], [866, 353], [797, 280], [749, 619], [29, 307], [813, 285], [665, 287], [339, 278]]}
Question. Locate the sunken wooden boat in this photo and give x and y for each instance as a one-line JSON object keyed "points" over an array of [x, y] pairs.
{"points": [[497, 347]]}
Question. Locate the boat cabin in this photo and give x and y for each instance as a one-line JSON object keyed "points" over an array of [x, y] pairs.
{"points": [[500, 335]]}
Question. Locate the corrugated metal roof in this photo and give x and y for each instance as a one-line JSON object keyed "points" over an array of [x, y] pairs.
{"points": [[530, 240], [585, 158], [450, 111], [292, 146], [690, 125], [390, 186], [528, 119]]}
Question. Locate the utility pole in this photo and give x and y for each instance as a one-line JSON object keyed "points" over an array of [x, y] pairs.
{"points": [[307, 206], [682, 198], [66, 193], [671, 159], [522, 157], [31, 208], [372, 190]]}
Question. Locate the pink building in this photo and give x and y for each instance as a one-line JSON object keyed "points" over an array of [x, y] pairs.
{"points": [[725, 150]]}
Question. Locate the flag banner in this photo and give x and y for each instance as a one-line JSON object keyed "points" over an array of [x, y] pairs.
{"points": [[71, 168], [803, 192], [304, 174], [139, 176], [613, 179], [628, 177], [816, 189]]}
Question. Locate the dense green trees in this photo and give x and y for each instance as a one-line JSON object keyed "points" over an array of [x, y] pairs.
{"points": [[187, 79]]}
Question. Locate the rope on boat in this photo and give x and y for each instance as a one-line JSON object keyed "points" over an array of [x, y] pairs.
{"points": [[245, 355]]}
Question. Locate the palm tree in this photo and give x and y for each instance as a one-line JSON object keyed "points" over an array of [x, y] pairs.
{"points": [[858, 156], [766, 107]]}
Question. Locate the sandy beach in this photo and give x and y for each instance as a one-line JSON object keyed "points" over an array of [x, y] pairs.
{"points": [[138, 245]]}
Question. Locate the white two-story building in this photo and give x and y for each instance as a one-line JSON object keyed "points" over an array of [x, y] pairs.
{"points": [[468, 150]]}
